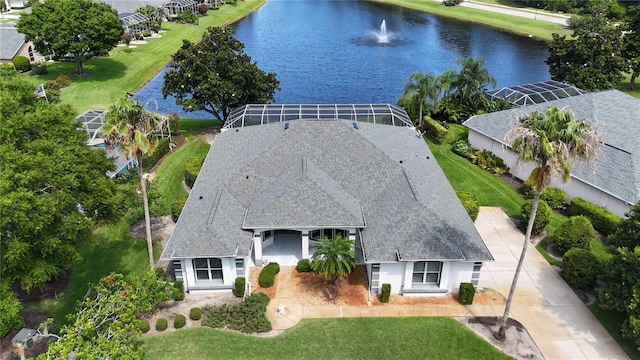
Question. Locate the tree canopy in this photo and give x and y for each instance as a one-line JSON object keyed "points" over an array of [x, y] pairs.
{"points": [[52, 186], [334, 258], [79, 28], [216, 75], [593, 59]]}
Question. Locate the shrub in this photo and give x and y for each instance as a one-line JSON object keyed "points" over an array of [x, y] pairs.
{"points": [[162, 324], [143, 326], [180, 321], [39, 69], [462, 147], [303, 266], [239, 287], [451, 2], [268, 275], [149, 161], [580, 268], [602, 220], [248, 316], [543, 215], [63, 81], [192, 168], [10, 308], [21, 63], [51, 85], [178, 291], [556, 198], [195, 313], [174, 123], [386, 293], [160, 274], [470, 202], [146, 33], [434, 130], [575, 232], [202, 9], [176, 207], [187, 17], [486, 160], [466, 293]]}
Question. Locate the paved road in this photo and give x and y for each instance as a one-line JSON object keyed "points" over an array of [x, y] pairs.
{"points": [[525, 13]]}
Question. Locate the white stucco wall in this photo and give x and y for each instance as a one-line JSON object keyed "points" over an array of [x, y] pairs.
{"points": [[393, 274], [574, 188], [459, 272], [228, 276]]}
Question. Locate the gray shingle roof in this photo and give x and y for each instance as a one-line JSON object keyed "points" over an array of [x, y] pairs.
{"points": [[130, 6], [11, 41], [323, 174], [616, 114]]}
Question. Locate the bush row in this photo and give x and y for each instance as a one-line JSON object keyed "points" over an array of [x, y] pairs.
{"points": [[192, 168], [470, 202], [555, 198], [486, 160], [268, 275], [248, 316], [176, 207], [575, 232], [602, 220], [160, 150], [434, 130]]}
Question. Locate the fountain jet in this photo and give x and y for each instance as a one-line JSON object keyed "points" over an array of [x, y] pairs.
{"points": [[383, 38]]}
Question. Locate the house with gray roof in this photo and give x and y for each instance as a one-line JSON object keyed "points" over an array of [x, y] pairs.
{"points": [[13, 44], [613, 181], [268, 192]]}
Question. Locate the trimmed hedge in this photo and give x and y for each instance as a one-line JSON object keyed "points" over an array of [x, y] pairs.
{"points": [[268, 275], [162, 324], [176, 207], [601, 219], [435, 130], [575, 232], [149, 161], [543, 216], [248, 316], [192, 169], [143, 326], [466, 293], [239, 287], [386, 293], [303, 266], [470, 202], [556, 198], [180, 321], [486, 160], [195, 313], [580, 268], [21, 63]]}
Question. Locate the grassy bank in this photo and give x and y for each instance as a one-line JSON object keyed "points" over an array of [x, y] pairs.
{"points": [[126, 71], [368, 338], [518, 25]]}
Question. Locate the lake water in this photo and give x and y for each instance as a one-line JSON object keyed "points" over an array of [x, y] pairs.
{"points": [[325, 52]]}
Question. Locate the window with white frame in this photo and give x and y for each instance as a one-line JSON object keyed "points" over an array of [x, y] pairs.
{"points": [[426, 273], [316, 235], [208, 269]]}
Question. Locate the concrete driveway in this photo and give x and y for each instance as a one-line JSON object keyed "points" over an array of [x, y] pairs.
{"points": [[558, 321]]}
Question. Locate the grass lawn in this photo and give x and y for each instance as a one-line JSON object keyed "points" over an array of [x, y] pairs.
{"points": [[612, 321], [122, 71], [110, 249], [359, 338], [518, 25], [168, 181]]}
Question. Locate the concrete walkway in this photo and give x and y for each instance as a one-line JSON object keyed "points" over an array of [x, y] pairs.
{"points": [[557, 320]]}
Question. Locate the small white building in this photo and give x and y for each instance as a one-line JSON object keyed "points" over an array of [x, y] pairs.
{"points": [[280, 177], [613, 181]]}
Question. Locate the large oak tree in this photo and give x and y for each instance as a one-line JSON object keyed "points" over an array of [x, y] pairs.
{"points": [[52, 186], [79, 28], [216, 75]]}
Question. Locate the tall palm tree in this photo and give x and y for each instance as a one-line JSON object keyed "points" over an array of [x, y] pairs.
{"points": [[424, 89], [551, 139], [133, 128], [334, 258], [472, 80]]}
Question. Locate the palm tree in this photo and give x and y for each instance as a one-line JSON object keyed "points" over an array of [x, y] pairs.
{"points": [[334, 258], [551, 139], [424, 89], [132, 127], [472, 80]]}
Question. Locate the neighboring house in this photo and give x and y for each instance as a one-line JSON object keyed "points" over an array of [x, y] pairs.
{"points": [[12, 44], [280, 177], [130, 6], [613, 181], [175, 7], [135, 24]]}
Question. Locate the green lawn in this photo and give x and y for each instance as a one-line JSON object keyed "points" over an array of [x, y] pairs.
{"points": [[518, 25], [359, 338], [612, 321], [122, 71], [110, 249]]}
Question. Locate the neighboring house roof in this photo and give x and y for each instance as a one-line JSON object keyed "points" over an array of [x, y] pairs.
{"points": [[11, 41], [130, 6], [617, 170], [315, 174]]}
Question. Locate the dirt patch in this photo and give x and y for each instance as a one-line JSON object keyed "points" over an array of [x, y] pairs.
{"points": [[518, 342], [482, 297], [253, 278], [161, 228], [312, 289]]}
